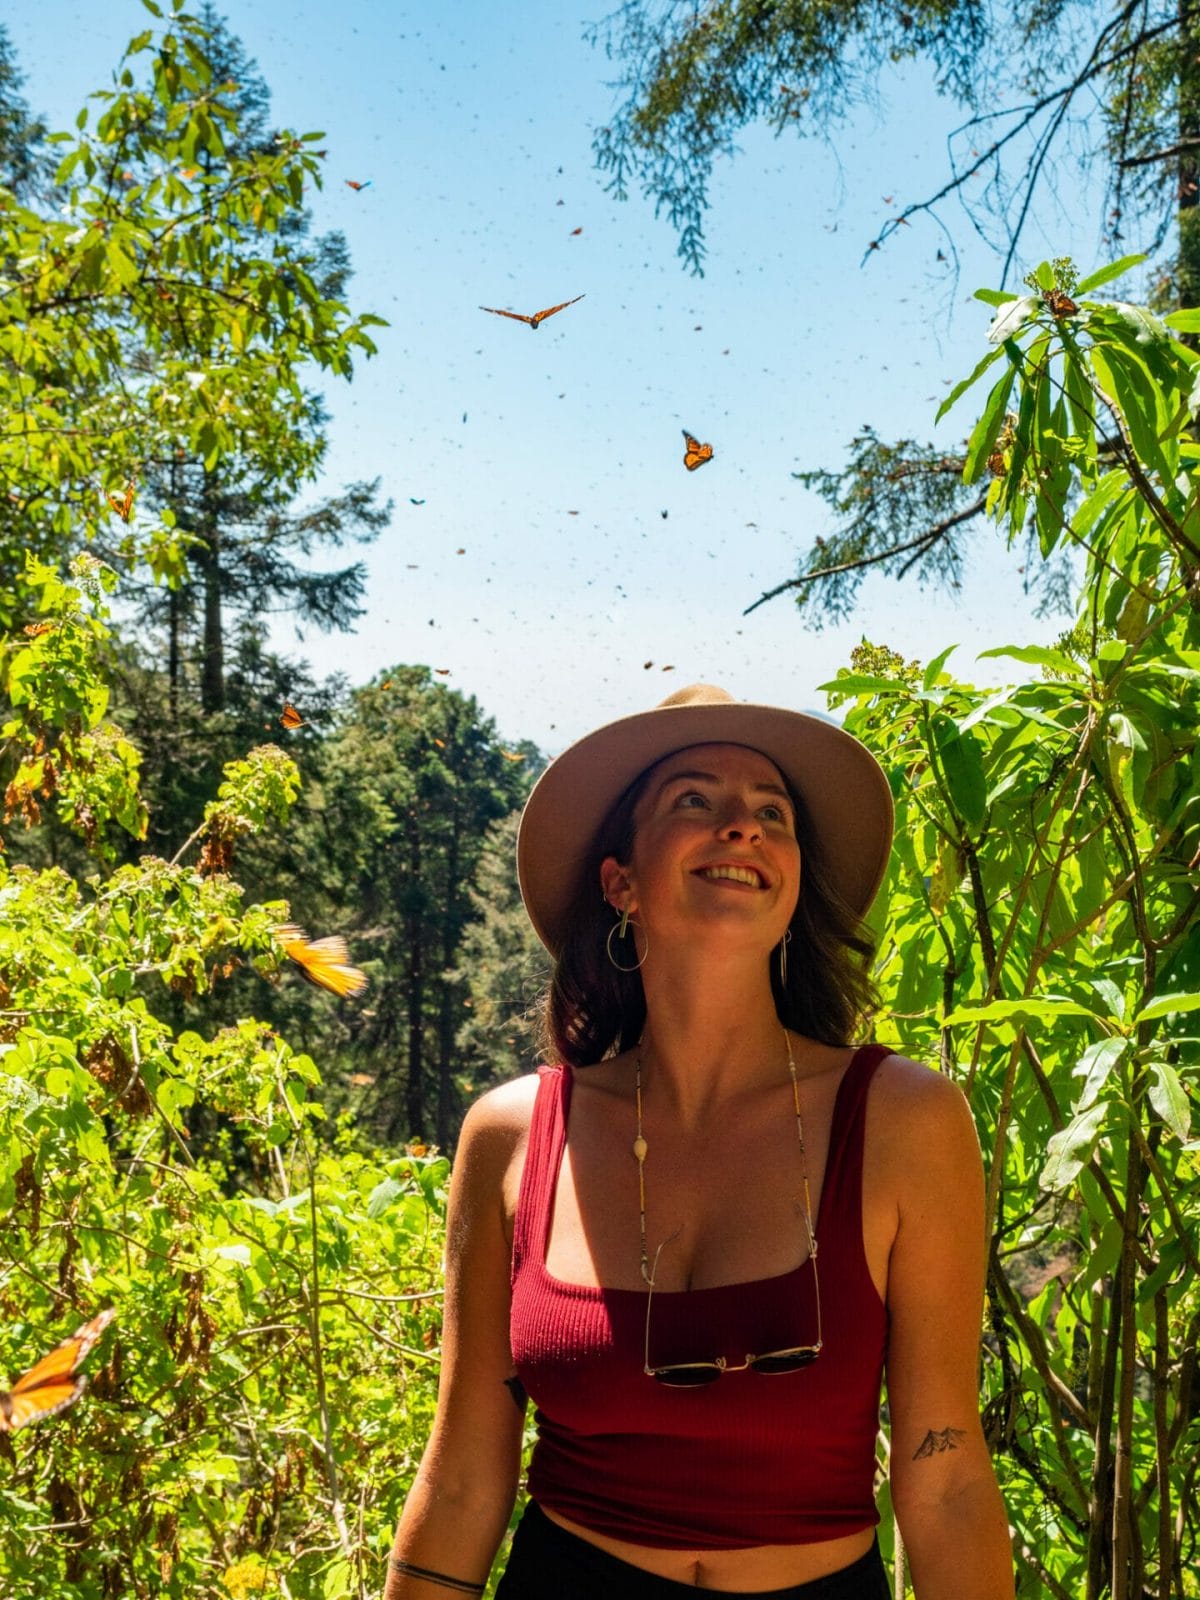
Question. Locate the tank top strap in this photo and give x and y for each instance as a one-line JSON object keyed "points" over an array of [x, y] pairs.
{"points": [[543, 1156], [840, 1205]]}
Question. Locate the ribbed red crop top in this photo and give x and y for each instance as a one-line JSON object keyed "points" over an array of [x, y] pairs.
{"points": [[752, 1459]]}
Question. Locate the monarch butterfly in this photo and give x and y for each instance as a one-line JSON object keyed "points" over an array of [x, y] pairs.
{"points": [[325, 962], [413, 502], [350, 184], [537, 317], [575, 232], [36, 629], [512, 755], [122, 504], [1058, 303], [291, 718], [442, 672], [696, 454], [51, 1385]]}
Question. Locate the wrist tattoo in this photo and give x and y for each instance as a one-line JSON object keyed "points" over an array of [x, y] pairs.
{"points": [[410, 1570], [935, 1443]]}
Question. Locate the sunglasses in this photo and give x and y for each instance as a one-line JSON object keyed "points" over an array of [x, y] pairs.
{"points": [[694, 1374]]}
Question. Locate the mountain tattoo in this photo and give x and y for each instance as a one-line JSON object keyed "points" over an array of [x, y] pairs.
{"points": [[935, 1443]]}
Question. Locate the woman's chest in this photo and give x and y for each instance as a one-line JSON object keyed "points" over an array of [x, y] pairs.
{"points": [[726, 1205]]}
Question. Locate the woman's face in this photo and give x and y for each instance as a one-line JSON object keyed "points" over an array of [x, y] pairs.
{"points": [[714, 849]]}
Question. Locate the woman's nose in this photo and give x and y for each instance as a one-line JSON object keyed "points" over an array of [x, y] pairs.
{"points": [[738, 821]]}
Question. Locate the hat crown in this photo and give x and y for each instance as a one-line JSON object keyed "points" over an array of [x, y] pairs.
{"points": [[697, 694]]}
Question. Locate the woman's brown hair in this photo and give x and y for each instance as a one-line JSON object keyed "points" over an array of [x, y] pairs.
{"points": [[593, 1010]]}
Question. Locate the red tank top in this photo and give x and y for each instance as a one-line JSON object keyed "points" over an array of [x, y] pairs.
{"points": [[751, 1459]]}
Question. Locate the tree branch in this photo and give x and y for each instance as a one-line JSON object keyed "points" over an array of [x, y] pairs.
{"points": [[929, 537]]}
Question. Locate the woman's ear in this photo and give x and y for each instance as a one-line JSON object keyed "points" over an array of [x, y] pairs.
{"points": [[617, 885]]}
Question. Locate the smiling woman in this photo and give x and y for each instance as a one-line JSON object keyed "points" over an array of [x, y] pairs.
{"points": [[713, 1188]]}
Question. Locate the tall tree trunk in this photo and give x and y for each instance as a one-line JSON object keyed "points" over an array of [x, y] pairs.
{"points": [[451, 928], [414, 931], [212, 676], [1189, 160], [174, 620], [173, 623]]}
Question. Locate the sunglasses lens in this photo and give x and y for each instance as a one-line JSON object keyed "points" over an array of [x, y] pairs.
{"points": [[784, 1361], [691, 1377]]}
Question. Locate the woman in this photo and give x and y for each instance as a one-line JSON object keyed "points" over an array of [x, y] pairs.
{"points": [[633, 1236]]}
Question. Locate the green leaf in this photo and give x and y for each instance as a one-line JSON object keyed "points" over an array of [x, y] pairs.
{"points": [[382, 1196], [962, 762], [993, 297], [961, 388], [1046, 1009], [1115, 269], [987, 429], [1036, 655], [863, 683], [1169, 1100], [1071, 1148], [1186, 321], [935, 666], [1164, 1005], [1095, 1066]]}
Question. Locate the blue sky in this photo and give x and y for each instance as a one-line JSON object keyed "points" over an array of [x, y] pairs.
{"points": [[547, 458]]}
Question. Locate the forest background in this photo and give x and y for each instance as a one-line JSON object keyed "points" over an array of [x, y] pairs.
{"points": [[251, 1173]]}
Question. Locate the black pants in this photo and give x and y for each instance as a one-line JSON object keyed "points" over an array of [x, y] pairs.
{"points": [[548, 1563]]}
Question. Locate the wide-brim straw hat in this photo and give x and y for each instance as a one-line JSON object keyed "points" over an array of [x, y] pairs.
{"points": [[841, 784]]}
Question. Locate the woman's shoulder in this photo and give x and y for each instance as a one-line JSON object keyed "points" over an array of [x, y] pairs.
{"points": [[914, 1107], [504, 1111], [915, 1089]]}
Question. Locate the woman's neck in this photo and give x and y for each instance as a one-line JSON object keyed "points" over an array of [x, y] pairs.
{"points": [[707, 1040]]}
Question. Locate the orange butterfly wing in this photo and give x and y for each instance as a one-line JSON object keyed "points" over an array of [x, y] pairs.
{"points": [[325, 962], [695, 453], [122, 504], [515, 315], [51, 1385], [1060, 304], [540, 316], [291, 718], [36, 629]]}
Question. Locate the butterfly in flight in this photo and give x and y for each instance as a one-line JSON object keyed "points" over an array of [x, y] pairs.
{"points": [[291, 718], [413, 502], [696, 454], [537, 318], [122, 504], [51, 1385], [351, 184], [325, 962], [575, 232]]}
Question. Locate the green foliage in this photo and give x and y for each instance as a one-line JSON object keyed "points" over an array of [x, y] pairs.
{"points": [[168, 241], [415, 776], [691, 77], [503, 971], [1040, 938]]}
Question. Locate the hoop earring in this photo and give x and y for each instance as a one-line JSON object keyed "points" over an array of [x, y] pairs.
{"points": [[783, 944], [621, 930]]}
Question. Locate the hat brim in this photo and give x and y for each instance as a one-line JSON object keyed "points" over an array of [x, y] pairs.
{"points": [[842, 786]]}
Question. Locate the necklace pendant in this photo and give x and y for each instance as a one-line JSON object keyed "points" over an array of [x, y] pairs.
{"points": [[639, 1148]]}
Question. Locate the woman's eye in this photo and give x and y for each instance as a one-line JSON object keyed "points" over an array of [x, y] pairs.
{"points": [[691, 795], [775, 813]]}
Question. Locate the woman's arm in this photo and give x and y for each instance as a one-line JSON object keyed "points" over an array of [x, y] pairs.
{"points": [[459, 1505], [944, 1489]]}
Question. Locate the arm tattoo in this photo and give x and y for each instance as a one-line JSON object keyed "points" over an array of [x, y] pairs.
{"points": [[398, 1564], [517, 1389], [934, 1443]]}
